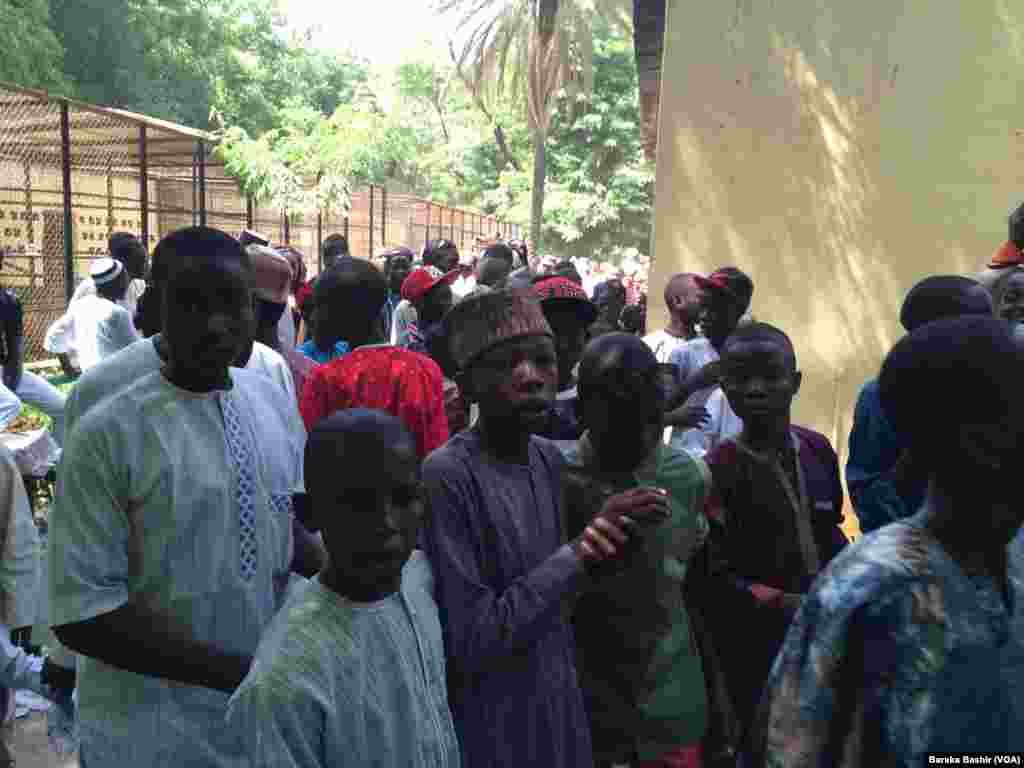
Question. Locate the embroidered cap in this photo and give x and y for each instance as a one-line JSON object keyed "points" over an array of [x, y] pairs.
{"points": [[481, 322], [553, 291], [105, 270], [272, 274]]}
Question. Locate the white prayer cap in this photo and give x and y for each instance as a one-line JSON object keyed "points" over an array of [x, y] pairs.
{"points": [[105, 270]]}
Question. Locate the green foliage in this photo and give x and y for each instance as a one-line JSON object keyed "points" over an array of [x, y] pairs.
{"points": [[301, 127], [180, 59], [32, 54], [600, 190]]}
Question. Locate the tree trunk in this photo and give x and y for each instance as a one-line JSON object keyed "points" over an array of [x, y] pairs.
{"points": [[540, 162], [648, 42]]}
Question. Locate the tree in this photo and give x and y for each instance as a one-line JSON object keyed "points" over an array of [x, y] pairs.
{"points": [[546, 44], [33, 55], [600, 188]]}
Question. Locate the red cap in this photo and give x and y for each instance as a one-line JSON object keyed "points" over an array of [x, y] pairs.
{"points": [[730, 281], [562, 289], [1008, 255], [423, 279]]}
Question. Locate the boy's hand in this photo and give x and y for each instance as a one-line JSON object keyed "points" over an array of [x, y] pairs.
{"points": [[621, 516]]}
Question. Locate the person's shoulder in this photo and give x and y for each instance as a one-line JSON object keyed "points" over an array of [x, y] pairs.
{"points": [[820, 445], [295, 653], [256, 386], [888, 566], [550, 451], [450, 460], [8, 299], [679, 466], [123, 367]]}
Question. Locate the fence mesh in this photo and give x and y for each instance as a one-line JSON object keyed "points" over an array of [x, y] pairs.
{"points": [[130, 173]]}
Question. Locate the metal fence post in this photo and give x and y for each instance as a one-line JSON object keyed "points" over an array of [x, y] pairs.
{"points": [[202, 183], [383, 217], [65, 161], [287, 229], [319, 230], [370, 256], [451, 222], [427, 240], [144, 187]]}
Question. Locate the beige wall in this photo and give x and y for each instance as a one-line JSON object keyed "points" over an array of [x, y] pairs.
{"points": [[838, 151]]}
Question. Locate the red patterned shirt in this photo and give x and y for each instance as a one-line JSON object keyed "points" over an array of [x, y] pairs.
{"points": [[406, 384]]}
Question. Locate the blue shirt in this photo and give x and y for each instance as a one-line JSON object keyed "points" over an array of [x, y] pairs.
{"points": [[907, 651], [874, 450], [310, 350]]}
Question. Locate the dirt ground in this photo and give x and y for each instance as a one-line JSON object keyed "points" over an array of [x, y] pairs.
{"points": [[30, 747]]}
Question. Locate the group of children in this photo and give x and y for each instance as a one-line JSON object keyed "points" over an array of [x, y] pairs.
{"points": [[630, 556]]}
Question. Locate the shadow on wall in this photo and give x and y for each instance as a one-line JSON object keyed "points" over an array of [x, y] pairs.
{"points": [[838, 155]]}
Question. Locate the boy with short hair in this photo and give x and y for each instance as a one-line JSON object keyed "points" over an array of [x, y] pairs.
{"points": [[911, 642], [328, 320], [495, 535], [682, 299], [700, 423], [886, 483], [397, 266], [774, 510], [352, 670], [639, 667]]}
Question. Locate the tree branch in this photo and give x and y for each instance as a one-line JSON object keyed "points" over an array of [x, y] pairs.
{"points": [[474, 91]]}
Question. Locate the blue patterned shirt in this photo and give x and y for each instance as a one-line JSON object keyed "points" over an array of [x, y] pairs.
{"points": [[897, 652]]}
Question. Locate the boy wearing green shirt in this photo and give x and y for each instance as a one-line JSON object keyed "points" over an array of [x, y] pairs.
{"points": [[638, 664]]}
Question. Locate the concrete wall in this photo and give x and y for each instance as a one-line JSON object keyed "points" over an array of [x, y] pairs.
{"points": [[838, 151]]}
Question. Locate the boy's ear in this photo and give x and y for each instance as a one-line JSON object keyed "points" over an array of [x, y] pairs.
{"points": [[798, 379]]}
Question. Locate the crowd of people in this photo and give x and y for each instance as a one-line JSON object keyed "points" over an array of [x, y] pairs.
{"points": [[427, 512]]}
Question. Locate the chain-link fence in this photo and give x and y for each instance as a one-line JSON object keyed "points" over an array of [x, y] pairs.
{"points": [[71, 174]]}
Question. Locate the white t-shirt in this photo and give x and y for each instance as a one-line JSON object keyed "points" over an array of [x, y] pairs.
{"points": [[149, 510], [663, 344], [688, 359], [91, 329], [130, 301], [270, 363], [722, 425]]}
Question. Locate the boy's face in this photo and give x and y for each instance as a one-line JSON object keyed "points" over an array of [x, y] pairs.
{"points": [[759, 381], [719, 316], [208, 318], [570, 339], [370, 516], [398, 270], [515, 383], [435, 304], [1011, 306], [623, 412]]}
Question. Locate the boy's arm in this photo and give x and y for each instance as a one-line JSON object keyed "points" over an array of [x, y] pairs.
{"points": [[283, 727]]}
